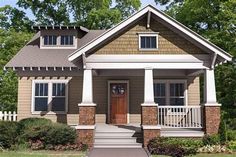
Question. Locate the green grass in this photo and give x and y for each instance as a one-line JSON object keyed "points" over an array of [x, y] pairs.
{"points": [[204, 155], [42, 154]]}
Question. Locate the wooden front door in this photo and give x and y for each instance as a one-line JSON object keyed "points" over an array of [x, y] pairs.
{"points": [[118, 103]]}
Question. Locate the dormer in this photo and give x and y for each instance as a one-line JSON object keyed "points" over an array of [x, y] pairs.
{"points": [[60, 37]]}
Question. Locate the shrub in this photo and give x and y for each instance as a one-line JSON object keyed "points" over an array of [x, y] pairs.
{"points": [[40, 132], [231, 135], [8, 134], [211, 140], [213, 149], [60, 134], [232, 145], [164, 146]]}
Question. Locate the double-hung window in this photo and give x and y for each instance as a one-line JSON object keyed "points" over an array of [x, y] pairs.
{"points": [[170, 92], [49, 96], [148, 41], [50, 40], [67, 40]]}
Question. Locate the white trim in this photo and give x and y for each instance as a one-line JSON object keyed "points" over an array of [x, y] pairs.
{"points": [[144, 65], [167, 89], [50, 82], [153, 34], [211, 104], [151, 127], [149, 104], [85, 127], [145, 58], [86, 104], [118, 81], [161, 15]]}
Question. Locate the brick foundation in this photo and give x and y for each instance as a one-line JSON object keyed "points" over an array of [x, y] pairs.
{"points": [[149, 134], [87, 115], [85, 136], [149, 115], [211, 119]]}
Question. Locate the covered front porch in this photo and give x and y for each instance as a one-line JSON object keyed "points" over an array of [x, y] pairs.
{"points": [[155, 117]]}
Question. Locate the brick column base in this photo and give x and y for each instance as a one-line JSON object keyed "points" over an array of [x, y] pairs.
{"points": [[149, 115], [150, 126], [86, 127], [85, 136], [149, 134], [211, 119]]}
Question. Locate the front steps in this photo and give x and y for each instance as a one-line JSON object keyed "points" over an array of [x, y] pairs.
{"points": [[123, 136]]}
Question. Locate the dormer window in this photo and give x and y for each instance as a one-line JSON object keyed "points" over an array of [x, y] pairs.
{"points": [[50, 40], [148, 41], [67, 40]]}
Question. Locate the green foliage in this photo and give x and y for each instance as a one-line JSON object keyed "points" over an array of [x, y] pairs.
{"points": [[211, 140], [173, 147], [95, 14], [232, 145], [11, 42], [231, 135], [43, 131], [8, 134]]}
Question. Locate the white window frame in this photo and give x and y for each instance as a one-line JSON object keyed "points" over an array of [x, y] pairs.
{"points": [[147, 34], [50, 88], [167, 90]]}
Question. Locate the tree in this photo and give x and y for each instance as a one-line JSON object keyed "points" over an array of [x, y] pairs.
{"points": [[94, 14], [47, 12], [12, 18]]}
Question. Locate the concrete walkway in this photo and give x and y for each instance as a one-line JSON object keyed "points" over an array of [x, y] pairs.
{"points": [[118, 152]]}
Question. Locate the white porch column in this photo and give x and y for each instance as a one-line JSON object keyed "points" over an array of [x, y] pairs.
{"points": [[148, 88], [209, 88], [87, 95]]}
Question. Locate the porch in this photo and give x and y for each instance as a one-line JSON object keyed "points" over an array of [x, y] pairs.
{"points": [[175, 116]]}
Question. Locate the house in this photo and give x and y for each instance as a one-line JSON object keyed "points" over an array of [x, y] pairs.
{"points": [[142, 74]]}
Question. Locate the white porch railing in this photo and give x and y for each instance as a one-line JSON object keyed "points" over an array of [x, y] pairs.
{"points": [[8, 116], [180, 116]]}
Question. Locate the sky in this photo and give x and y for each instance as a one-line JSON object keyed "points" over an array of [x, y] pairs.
{"points": [[31, 16]]}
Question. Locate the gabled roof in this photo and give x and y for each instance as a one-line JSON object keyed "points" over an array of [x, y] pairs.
{"points": [[180, 27]]}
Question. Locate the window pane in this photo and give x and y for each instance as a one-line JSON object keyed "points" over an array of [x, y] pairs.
{"points": [[54, 40], [41, 104], [71, 40], [62, 40], [148, 42], [36, 89], [58, 89], [45, 40], [142, 42], [176, 89], [160, 101], [159, 89], [58, 104], [177, 101], [153, 42]]}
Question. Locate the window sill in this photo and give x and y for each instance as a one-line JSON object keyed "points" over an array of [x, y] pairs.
{"points": [[48, 113], [142, 49]]}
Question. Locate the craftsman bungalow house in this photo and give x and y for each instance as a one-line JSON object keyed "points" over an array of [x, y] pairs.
{"points": [[122, 86]]}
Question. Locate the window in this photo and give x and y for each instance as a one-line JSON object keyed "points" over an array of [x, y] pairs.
{"points": [[50, 40], [49, 96], [67, 39], [148, 41], [160, 93], [170, 92], [41, 97]]}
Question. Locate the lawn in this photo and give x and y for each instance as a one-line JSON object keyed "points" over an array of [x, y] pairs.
{"points": [[205, 155], [42, 154]]}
